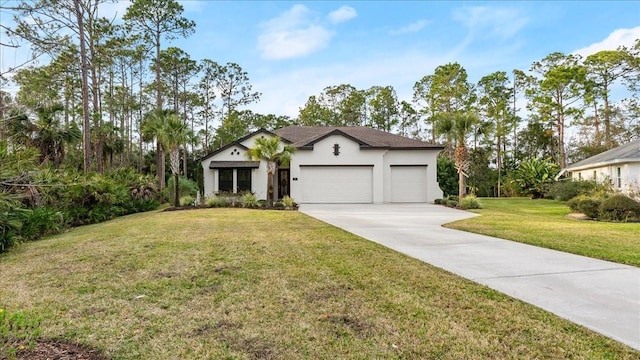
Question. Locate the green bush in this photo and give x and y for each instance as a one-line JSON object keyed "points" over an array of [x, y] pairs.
{"points": [[574, 202], [567, 189], [288, 202], [470, 202], [186, 188], [452, 197], [187, 200], [590, 207], [12, 218], [438, 201], [535, 176], [619, 208], [452, 203], [41, 221], [249, 200]]}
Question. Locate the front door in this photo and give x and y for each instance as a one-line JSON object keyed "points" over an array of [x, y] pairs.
{"points": [[283, 183]]}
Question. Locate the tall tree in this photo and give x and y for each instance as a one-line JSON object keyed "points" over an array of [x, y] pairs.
{"points": [[556, 94], [604, 68], [495, 100], [383, 104], [156, 20], [234, 88], [274, 152], [42, 22]]}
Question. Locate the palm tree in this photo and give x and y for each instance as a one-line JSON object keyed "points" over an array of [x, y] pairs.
{"points": [[273, 152], [170, 132], [456, 129]]}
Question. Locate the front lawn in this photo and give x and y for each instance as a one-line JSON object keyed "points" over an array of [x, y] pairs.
{"points": [[256, 284], [544, 223]]}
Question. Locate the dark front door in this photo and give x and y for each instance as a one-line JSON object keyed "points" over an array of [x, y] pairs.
{"points": [[283, 183]]}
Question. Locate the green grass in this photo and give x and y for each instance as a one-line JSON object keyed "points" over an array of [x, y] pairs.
{"points": [[253, 284], [545, 223]]}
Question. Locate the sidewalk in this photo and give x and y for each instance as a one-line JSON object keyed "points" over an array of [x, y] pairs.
{"points": [[600, 295]]}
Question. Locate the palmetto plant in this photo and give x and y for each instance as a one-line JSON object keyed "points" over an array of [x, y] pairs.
{"points": [[274, 152]]}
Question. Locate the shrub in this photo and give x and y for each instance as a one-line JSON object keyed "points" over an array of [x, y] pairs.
{"points": [[590, 207], [470, 202], [535, 176], [565, 190], [249, 200], [216, 201], [41, 221], [288, 202], [438, 201], [452, 197], [187, 200], [186, 188], [452, 203], [619, 208], [574, 202]]}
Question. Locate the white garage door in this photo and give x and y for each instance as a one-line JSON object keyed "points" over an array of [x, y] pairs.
{"points": [[409, 183], [336, 184]]}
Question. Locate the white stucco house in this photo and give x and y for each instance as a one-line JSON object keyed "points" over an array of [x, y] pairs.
{"points": [[619, 166], [331, 165]]}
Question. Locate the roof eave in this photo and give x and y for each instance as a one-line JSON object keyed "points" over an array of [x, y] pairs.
{"points": [[601, 164]]}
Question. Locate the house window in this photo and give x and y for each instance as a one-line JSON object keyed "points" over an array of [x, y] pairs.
{"points": [[244, 180], [225, 180], [595, 176], [619, 177], [579, 176]]}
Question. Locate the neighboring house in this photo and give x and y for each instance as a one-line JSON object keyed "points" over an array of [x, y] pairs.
{"points": [[619, 166], [331, 165]]}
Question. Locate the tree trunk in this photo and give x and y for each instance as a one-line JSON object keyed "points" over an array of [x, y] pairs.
{"points": [[86, 126]]}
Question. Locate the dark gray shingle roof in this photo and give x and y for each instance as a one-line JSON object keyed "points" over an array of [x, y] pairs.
{"points": [[305, 136], [624, 153]]}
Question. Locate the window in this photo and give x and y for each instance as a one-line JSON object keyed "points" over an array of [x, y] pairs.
{"points": [[225, 180], [619, 178], [244, 180], [595, 175], [579, 176]]}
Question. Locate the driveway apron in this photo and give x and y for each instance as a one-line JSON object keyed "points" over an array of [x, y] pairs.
{"points": [[600, 295]]}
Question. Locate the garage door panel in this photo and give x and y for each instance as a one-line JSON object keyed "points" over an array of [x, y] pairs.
{"points": [[336, 184], [408, 183]]}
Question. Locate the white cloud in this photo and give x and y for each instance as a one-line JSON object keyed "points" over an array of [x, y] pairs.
{"points": [[411, 28], [620, 37], [344, 13], [498, 22], [292, 34]]}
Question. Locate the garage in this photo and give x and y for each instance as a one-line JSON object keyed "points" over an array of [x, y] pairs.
{"points": [[336, 184], [409, 183]]}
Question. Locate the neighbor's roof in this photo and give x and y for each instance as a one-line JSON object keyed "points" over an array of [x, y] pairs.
{"points": [[306, 136], [622, 154]]}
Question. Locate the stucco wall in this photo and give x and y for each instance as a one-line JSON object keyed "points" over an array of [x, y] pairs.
{"points": [[628, 181]]}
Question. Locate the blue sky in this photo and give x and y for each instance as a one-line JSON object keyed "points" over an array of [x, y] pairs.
{"points": [[292, 50]]}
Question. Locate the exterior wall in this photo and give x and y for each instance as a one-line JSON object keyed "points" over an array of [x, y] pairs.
{"points": [[628, 181], [350, 154], [235, 153], [413, 157]]}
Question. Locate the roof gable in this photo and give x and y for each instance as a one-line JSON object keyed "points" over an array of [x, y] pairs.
{"points": [[241, 140], [629, 152]]}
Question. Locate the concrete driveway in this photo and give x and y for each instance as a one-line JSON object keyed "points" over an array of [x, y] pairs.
{"points": [[599, 295]]}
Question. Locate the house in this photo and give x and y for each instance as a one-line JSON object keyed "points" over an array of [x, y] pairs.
{"points": [[619, 166], [331, 165]]}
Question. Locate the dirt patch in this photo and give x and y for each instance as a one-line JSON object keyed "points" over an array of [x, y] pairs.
{"points": [[58, 350]]}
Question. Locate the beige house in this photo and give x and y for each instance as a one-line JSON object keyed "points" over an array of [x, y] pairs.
{"points": [[619, 166], [331, 165]]}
